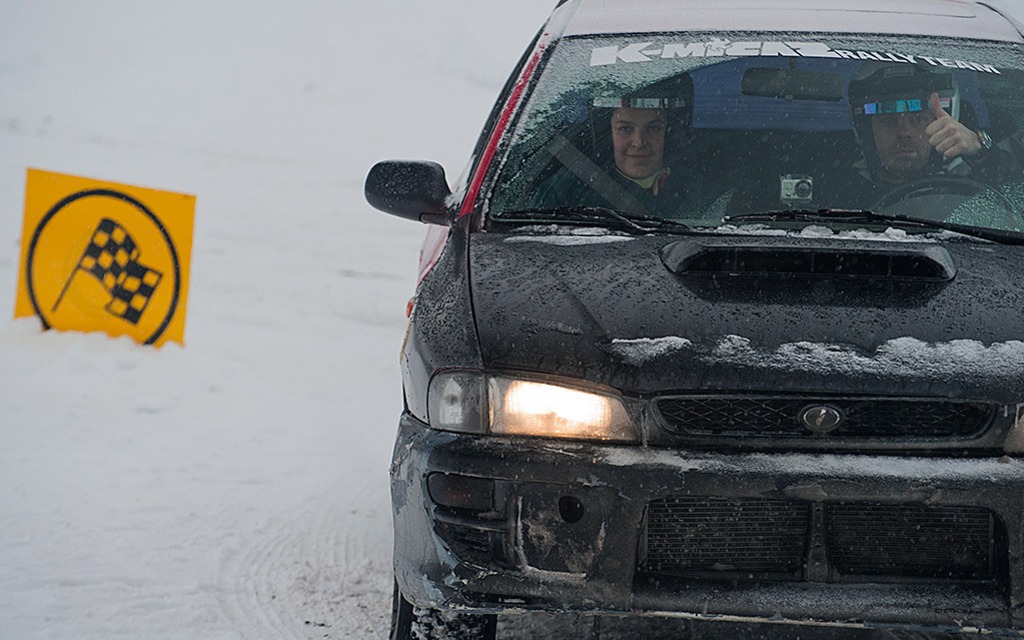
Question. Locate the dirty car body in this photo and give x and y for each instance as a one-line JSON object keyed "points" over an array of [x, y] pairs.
{"points": [[789, 392]]}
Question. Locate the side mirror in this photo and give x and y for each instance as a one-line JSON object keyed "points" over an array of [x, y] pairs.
{"points": [[414, 189]]}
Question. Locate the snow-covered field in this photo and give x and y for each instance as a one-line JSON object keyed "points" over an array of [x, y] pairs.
{"points": [[236, 487]]}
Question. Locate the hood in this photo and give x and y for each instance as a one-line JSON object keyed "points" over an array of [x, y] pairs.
{"points": [[889, 314]]}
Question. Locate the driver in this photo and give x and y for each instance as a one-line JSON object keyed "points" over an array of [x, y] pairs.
{"points": [[907, 122]]}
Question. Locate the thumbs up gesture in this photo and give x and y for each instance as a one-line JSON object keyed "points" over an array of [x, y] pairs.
{"points": [[947, 136]]}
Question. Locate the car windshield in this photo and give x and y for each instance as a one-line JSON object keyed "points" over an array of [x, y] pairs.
{"points": [[708, 129]]}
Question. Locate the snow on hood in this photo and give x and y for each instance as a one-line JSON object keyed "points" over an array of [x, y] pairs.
{"points": [[641, 350], [890, 234], [569, 236], [905, 356]]}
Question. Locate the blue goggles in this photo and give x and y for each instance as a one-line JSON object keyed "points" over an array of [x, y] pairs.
{"points": [[901, 106]]}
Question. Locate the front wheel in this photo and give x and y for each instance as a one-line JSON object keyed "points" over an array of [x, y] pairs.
{"points": [[414, 623]]}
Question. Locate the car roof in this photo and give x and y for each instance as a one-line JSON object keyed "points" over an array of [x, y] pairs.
{"points": [[939, 18]]}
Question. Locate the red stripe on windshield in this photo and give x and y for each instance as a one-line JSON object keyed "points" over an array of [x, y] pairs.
{"points": [[499, 130]]}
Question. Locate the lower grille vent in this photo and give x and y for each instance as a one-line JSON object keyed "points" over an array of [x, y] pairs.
{"points": [[911, 541], [687, 534], [752, 539]]}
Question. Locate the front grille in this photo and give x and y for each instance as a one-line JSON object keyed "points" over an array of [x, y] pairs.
{"points": [[911, 541], [900, 418], [687, 534], [752, 539]]}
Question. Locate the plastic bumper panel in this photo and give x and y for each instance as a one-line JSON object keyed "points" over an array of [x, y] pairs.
{"points": [[565, 530]]}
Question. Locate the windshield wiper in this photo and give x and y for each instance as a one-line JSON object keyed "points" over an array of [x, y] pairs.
{"points": [[592, 215], [864, 215]]}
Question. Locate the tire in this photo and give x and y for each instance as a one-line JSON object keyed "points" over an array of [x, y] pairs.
{"points": [[414, 623]]}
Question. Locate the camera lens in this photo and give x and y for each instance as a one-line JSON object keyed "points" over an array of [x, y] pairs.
{"points": [[803, 189]]}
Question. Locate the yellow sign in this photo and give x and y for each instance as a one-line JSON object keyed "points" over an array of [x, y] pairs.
{"points": [[100, 256]]}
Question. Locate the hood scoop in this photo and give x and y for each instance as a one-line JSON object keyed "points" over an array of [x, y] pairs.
{"points": [[773, 257]]}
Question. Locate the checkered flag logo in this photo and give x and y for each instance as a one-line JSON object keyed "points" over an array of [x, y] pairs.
{"points": [[113, 259]]}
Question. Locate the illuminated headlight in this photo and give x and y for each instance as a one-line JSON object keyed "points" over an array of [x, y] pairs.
{"points": [[473, 403]]}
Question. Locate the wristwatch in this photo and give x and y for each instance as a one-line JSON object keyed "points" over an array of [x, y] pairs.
{"points": [[984, 139]]}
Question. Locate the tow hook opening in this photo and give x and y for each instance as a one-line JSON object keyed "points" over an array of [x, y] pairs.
{"points": [[571, 509]]}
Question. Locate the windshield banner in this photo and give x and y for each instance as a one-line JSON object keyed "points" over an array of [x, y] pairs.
{"points": [[718, 47]]}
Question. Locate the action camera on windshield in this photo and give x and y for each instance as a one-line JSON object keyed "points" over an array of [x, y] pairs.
{"points": [[796, 189]]}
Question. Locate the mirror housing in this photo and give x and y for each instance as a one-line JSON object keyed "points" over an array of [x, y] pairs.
{"points": [[413, 189], [789, 84]]}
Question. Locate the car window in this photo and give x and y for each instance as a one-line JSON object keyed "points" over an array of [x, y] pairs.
{"points": [[704, 128]]}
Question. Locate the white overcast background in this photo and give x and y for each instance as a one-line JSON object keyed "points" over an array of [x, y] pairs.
{"points": [[236, 487]]}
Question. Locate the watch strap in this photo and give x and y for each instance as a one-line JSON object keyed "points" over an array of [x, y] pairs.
{"points": [[984, 139]]}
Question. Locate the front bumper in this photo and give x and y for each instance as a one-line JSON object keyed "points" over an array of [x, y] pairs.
{"points": [[623, 529]]}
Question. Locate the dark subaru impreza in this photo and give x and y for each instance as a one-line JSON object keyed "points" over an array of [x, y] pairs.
{"points": [[724, 321]]}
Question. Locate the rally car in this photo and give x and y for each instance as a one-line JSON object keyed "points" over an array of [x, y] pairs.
{"points": [[723, 321]]}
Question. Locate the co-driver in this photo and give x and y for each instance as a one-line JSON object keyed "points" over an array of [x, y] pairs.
{"points": [[634, 176]]}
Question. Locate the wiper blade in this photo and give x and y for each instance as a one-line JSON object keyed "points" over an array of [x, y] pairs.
{"points": [[592, 215], [864, 215], [854, 215]]}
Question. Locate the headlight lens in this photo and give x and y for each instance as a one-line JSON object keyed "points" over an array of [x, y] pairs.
{"points": [[527, 408], [457, 401], [473, 403]]}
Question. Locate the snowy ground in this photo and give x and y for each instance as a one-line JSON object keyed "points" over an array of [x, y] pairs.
{"points": [[236, 487]]}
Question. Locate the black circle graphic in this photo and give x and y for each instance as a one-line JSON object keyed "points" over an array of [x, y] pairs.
{"points": [[119, 196]]}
